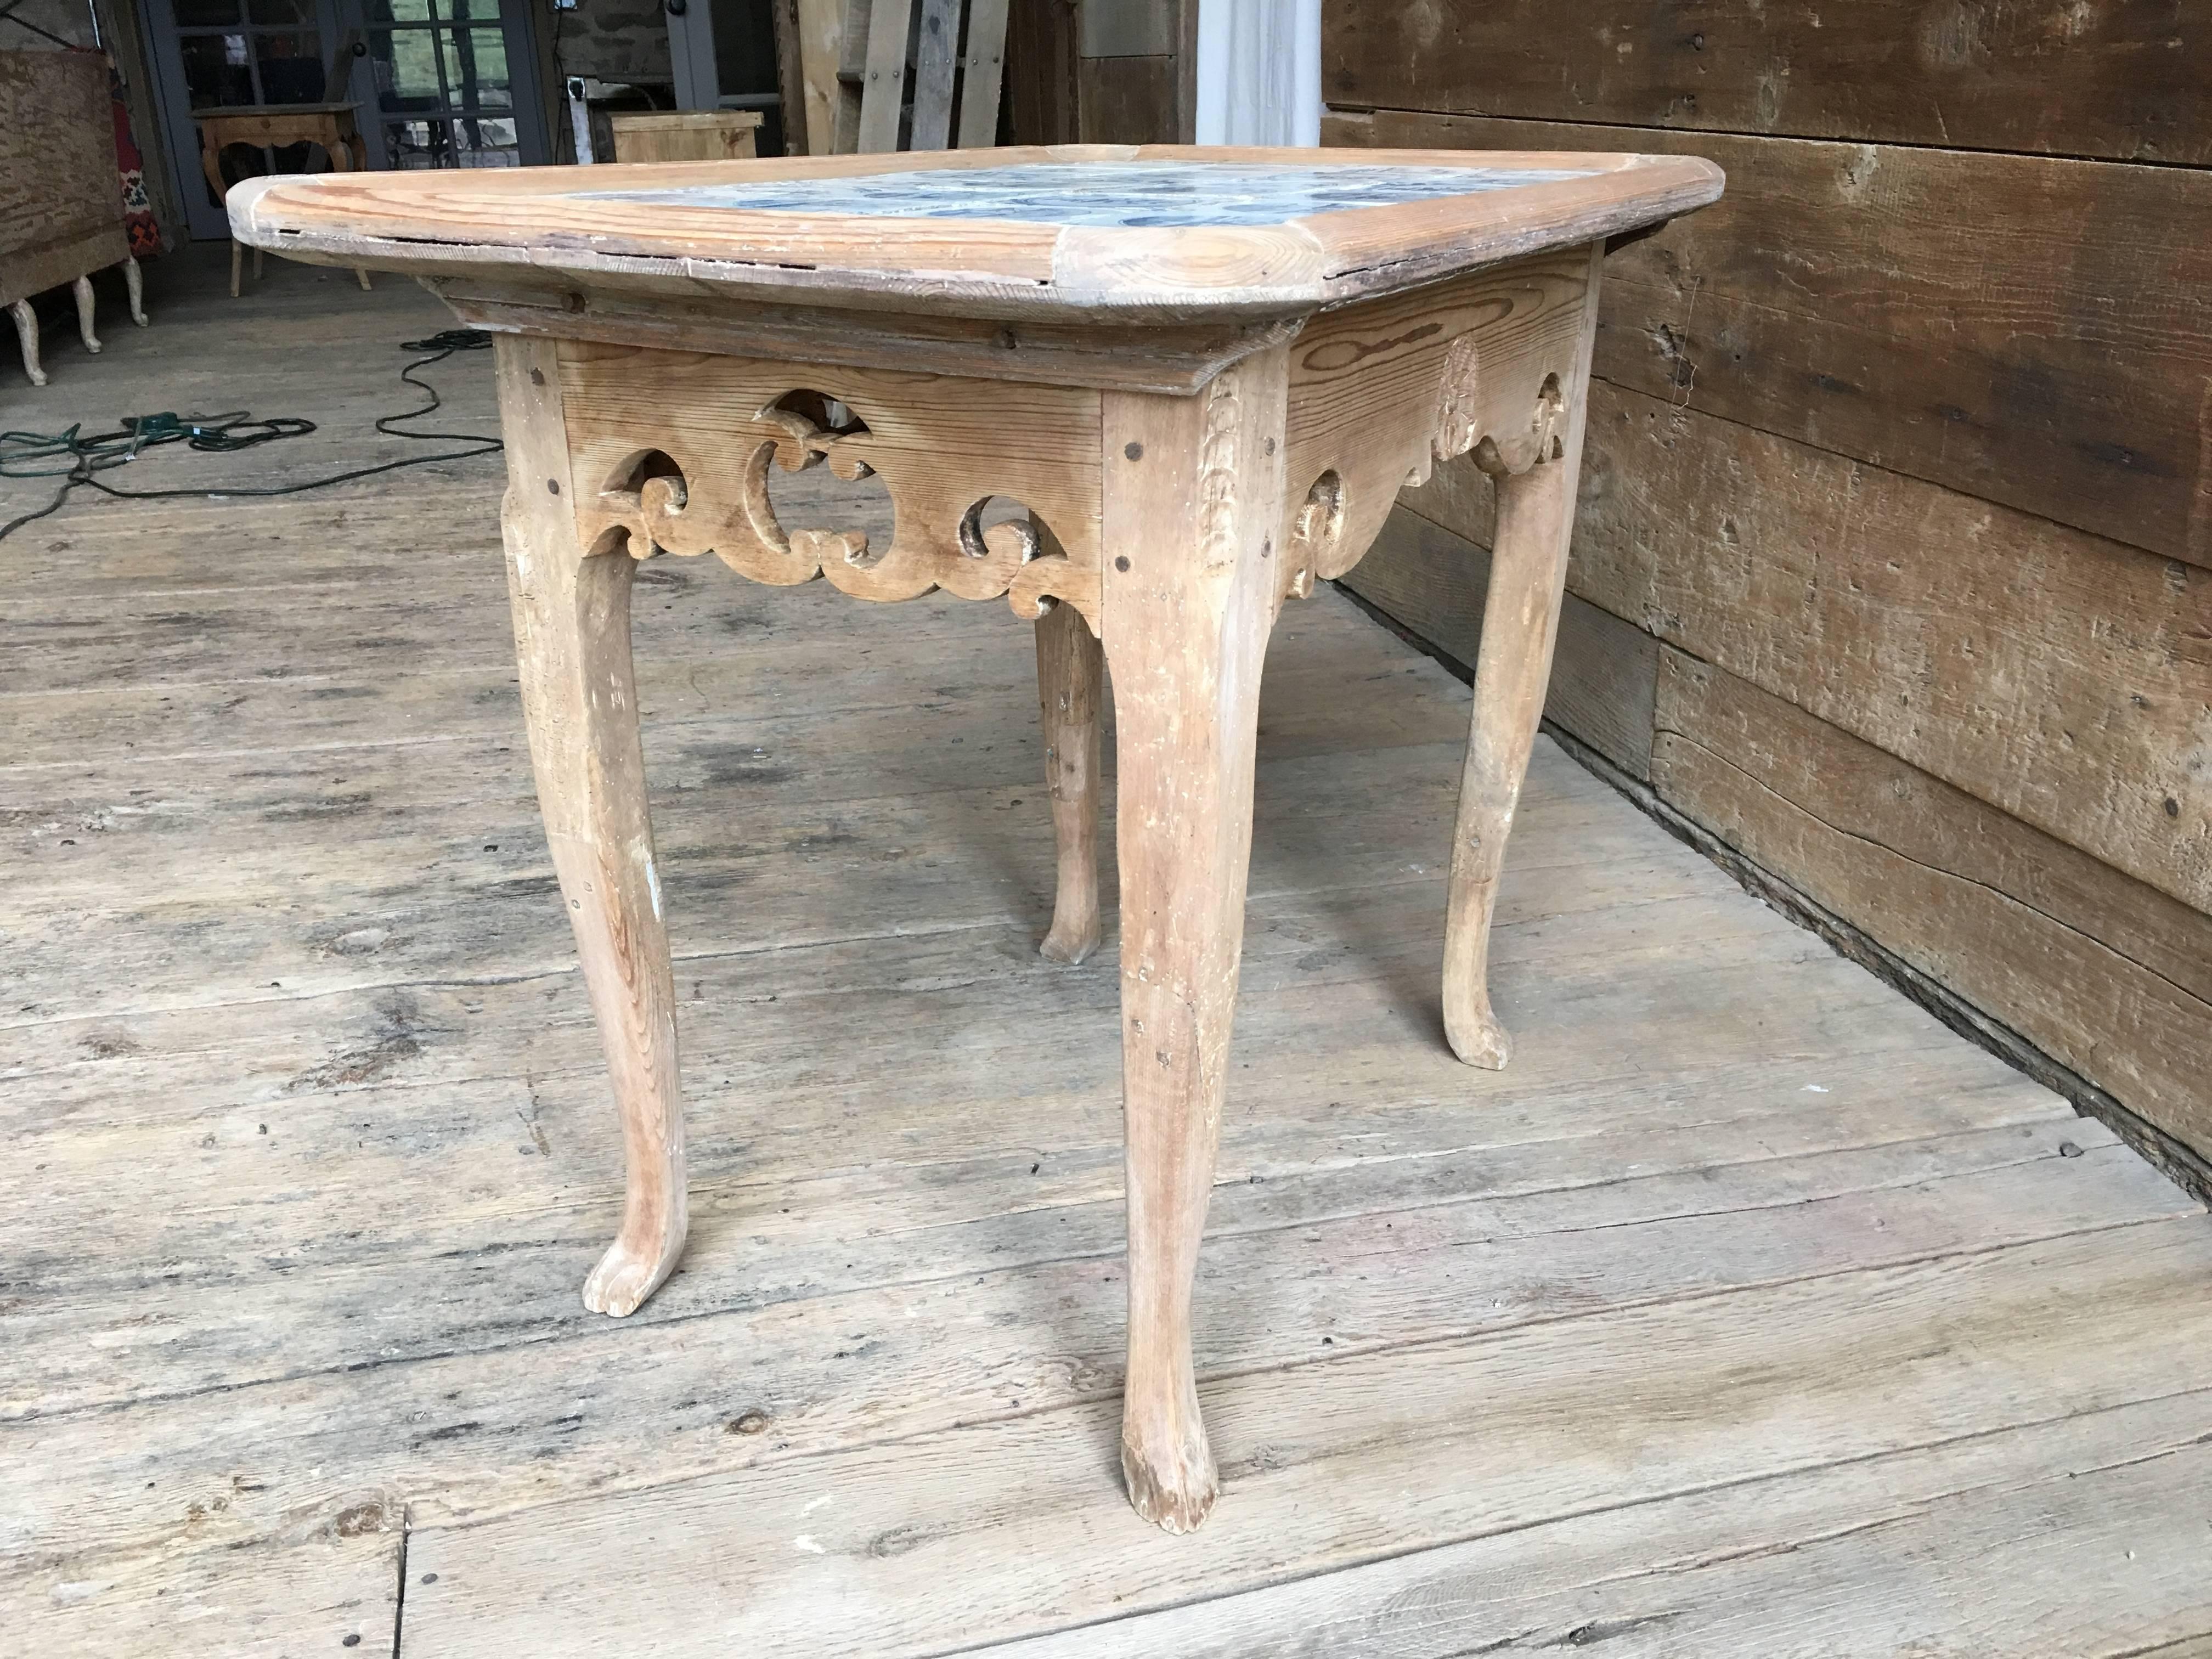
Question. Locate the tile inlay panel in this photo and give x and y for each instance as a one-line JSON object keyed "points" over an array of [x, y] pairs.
{"points": [[1121, 195]]}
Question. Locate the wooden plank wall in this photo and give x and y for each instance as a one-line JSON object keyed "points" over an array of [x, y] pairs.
{"points": [[1101, 71], [1893, 563]]}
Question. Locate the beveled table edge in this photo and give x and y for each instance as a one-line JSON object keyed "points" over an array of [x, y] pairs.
{"points": [[993, 268]]}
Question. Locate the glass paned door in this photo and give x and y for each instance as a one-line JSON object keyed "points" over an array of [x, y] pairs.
{"points": [[447, 87], [238, 52], [233, 54], [443, 82]]}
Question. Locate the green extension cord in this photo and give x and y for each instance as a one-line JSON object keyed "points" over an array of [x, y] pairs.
{"points": [[84, 457]]}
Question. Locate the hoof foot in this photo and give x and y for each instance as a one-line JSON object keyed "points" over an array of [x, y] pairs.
{"points": [[93, 346], [38, 379], [624, 1278], [1069, 947], [1176, 1500], [1481, 1042]]}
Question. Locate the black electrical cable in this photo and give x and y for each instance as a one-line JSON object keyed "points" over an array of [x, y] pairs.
{"points": [[223, 433]]}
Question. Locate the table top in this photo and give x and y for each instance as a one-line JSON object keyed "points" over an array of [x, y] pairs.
{"points": [[1157, 231]]}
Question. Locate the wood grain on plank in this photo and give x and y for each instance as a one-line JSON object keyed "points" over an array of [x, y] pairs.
{"points": [[297, 1458], [1978, 1545], [2131, 79], [1128, 99], [2034, 331], [2111, 978], [982, 74], [2065, 679], [1634, 1406]]}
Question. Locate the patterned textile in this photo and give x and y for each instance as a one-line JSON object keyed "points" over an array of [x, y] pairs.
{"points": [[138, 219]]}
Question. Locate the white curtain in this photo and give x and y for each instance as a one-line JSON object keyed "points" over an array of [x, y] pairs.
{"points": [[1258, 71]]}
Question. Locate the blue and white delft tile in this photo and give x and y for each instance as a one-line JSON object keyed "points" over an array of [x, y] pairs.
{"points": [[1127, 195]]}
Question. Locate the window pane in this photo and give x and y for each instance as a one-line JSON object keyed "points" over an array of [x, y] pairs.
{"points": [[459, 143], [468, 11], [291, 66], [216, 74], [476, 69], [204, 14], [281, 11], [485, 144], [414, 144], [406, 68], [400, 11]]}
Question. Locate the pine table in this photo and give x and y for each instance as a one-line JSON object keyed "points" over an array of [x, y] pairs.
{"points": [[1205, 374]]}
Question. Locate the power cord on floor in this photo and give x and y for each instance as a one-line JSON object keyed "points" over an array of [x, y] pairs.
{"points": [[87, 455]]}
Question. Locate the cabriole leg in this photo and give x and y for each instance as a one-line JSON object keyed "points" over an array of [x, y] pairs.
{"points": [[26, 337], [1193, 498], [573, 647], [1520, 626], [134, 282], [82, 289], [1069, 669], [1520, 622]]}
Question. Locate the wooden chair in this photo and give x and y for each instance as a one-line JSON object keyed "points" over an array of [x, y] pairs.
{"points": [[330, 123], [872, 75]]}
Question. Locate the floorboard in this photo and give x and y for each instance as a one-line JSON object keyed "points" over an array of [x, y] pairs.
{"points": [[1749, 1312]]}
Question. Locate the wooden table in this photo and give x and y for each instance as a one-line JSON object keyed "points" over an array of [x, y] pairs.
{"points": [[267, 125], [1207, 374]]}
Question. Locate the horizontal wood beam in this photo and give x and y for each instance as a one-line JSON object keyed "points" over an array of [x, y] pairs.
{"points": [[2131, 79], [2109, 977], [2032, 332]]}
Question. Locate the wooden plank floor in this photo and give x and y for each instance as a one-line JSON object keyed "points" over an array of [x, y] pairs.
{"points": [[1750, 1312]]}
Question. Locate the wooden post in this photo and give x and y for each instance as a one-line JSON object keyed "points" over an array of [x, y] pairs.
{"points": [[1192, 499], [572, 647], [1520, 627]]}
